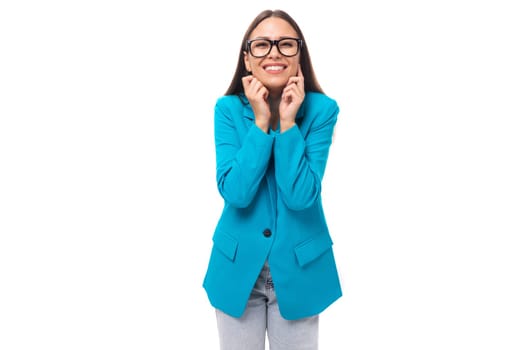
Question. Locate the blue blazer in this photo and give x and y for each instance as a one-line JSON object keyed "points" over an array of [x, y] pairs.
{"points": [[271, 186]]}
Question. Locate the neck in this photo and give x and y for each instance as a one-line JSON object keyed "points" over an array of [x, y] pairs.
{"points": [[274, 110]]}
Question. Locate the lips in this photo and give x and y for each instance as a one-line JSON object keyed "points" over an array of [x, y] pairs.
{"points": [[274, 68]]}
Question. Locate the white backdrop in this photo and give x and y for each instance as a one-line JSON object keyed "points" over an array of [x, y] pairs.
{"points": [[108, 197]]}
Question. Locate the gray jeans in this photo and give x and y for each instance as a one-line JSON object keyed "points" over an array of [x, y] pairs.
{"points": [[262, 317]]}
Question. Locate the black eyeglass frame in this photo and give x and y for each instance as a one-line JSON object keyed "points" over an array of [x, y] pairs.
{"points": [[272, 44]]}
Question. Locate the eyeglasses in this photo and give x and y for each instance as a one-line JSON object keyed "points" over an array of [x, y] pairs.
{"points": [[288, 47]]}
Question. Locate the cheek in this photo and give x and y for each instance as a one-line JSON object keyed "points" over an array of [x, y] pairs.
{"points": [[294, 68], [297, 64]]}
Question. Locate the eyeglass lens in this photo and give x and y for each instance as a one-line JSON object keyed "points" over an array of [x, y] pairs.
{"points": [[262, 47]]}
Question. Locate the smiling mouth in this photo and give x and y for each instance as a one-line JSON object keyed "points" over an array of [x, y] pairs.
{"points": [[274, 68]]}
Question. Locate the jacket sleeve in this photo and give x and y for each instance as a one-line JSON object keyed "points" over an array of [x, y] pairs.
{"points": [[241, 161], [300, 160]]}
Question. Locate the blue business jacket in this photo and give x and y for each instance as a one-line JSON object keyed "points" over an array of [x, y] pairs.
{"points": [[271, 185]]}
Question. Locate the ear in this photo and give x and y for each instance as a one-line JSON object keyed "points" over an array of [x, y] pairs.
{"points": [[247, 64]]}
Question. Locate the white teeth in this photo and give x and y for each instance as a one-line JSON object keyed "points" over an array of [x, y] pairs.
{"points": [[275, 68]]}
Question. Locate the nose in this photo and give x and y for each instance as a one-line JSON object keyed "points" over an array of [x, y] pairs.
{"points": [[274, 51]]}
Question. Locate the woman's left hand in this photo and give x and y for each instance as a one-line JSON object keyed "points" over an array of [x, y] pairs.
{"points": [[291, 99]]}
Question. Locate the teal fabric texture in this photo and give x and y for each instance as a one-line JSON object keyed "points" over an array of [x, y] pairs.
{"points": [[271, 186]]}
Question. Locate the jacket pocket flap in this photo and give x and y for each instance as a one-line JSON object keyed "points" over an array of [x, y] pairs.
{"points": [[226, 244], [312, 248]]}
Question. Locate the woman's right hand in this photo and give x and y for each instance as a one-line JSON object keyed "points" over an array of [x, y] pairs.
{"points": [[257, 95]]}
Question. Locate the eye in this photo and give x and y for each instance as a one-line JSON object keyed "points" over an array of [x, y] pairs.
{"points": [[260, 44], [287, 43]]}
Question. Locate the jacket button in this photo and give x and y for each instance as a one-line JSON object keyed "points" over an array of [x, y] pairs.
{"points": [[267, 233]]}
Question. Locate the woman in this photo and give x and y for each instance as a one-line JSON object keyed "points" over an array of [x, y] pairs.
{"points": [[272, 269]]}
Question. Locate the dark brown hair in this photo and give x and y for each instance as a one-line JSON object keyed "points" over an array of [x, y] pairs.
{"points": [[310, 80]]}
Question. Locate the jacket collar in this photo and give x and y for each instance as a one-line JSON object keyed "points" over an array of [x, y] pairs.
{"points": [[248, 111]]}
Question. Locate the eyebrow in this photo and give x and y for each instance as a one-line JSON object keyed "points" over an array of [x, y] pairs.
{"points": [[281, 37]]}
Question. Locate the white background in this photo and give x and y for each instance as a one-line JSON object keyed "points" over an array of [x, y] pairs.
{"points": [[108, 197]]}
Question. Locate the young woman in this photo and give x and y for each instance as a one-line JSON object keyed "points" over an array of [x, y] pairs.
{"points": [[272, 269]]}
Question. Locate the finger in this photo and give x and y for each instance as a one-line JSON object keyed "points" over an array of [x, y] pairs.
{"points": [[293, 93], [290, 94], [246, 81], [258, 88], [265, 93], [295, 87], [252, 85], [300, 72], [293, 80]]}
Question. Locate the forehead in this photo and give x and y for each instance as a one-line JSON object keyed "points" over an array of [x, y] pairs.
{"points": [[273, 28]]}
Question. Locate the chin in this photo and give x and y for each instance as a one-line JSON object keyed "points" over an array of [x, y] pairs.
{"points": [[276, 83], [276, 89]]}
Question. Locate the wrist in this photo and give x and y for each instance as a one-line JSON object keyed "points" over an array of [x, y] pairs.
{"points": [[263, 125], [285, 125]]}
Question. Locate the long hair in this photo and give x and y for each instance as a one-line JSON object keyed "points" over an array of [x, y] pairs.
{"points": [[310, 80]]}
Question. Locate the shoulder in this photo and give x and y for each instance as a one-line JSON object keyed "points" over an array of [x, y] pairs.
{"points": [[233, 107], [317, 105], [317, 97], [231, 101]]}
